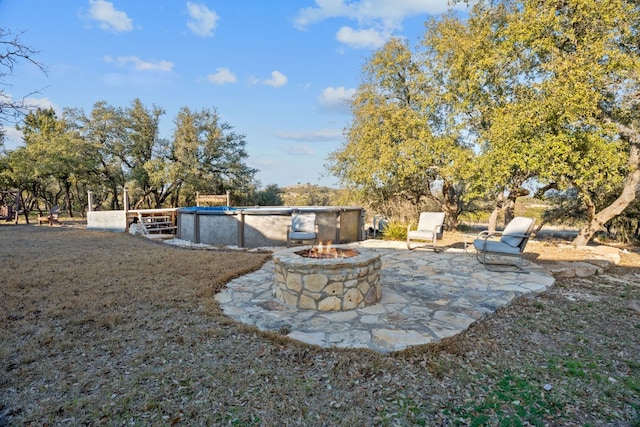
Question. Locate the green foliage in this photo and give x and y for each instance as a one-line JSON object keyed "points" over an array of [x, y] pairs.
{"points": [[206, 155], [626, 227], [271, 195], [394, 230], [514, 401], [311, 195], [113, 147], [55, 164], [398, 144], [554, 102]]}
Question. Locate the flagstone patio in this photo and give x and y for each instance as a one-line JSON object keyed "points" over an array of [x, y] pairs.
{"points": [[426, 297]]}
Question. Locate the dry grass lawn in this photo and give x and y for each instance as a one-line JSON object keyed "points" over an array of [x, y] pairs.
{"points": [[111, 329]]}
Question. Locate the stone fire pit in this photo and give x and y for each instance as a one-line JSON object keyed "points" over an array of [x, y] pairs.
{"points": [[327, 284]]}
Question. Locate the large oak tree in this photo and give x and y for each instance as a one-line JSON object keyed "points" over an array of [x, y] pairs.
{"points": [[546, 91], [569, 118], [399, 144]]}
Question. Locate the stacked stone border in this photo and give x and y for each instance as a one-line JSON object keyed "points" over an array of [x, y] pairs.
{"points": [[327, 284]]}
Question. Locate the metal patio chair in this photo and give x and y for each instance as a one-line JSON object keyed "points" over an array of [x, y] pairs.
{"points": [[430, 228], [493, 248], [303, 228]]}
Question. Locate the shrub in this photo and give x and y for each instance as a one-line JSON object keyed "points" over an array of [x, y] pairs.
{"points": [[395, 230]]}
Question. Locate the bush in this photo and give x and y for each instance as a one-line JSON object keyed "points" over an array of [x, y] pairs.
{"points": [[395, 230]]}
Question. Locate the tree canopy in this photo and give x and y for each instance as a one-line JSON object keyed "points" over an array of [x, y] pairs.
{"points": [[519, 93], [398, 143], [63, 158], [113, 147]]}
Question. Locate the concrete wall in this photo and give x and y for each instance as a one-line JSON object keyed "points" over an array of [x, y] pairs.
{"points": [[218, 230], [187, 227], [114, 221], [265, 230], [351, 224], [263, 227]]}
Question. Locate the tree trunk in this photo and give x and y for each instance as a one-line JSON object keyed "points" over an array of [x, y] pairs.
{"points": [[628, 195], [69, 197], [510, 205], [450, 205], [493, 218], [614, 209], [451, 215]]}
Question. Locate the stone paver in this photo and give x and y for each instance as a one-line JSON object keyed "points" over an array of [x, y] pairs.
{"points": [[426, 296]]}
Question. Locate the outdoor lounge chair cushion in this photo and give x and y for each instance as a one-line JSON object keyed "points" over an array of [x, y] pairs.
{"points": [[428, 224], [303, 222], [303, 226], [511, 239], [301, 235], [495, 246], [516, 229], [512, 242], [430, 228], [421, 234]]}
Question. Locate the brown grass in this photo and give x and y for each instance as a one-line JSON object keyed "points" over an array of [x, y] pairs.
{"points": [[110, 329]]}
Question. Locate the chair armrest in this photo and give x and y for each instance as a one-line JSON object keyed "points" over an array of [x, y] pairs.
{"points": [[487, 234]]}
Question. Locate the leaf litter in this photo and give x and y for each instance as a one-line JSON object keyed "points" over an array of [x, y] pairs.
{"points": [[111, 329]]}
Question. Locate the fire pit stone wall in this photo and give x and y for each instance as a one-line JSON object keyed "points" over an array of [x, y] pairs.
{"points": [[334, 284]]}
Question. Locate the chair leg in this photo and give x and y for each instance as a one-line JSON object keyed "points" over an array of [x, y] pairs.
{"points": [[424, 245], [491, 266]]}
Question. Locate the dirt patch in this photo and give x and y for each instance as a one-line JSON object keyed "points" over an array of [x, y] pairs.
{"points": [[110, 329]]}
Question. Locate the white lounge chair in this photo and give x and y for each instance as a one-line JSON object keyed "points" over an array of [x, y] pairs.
{"points": [[430, 228], [492, 247], [303, 228]]}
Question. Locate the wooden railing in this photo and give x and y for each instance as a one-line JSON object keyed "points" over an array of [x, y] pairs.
{"points": [[217, 199]]}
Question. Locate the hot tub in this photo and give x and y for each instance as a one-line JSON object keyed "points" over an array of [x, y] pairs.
{"points": [[265, 226]]}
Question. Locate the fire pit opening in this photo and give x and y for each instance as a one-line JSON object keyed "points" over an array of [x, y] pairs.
{"points": [[327, 280], [326, 252]]}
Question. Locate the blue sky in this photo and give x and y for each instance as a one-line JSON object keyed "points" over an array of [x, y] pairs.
{"points": [[278, 71]]}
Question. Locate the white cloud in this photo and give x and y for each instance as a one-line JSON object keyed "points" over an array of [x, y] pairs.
{"points": [[336, 99], [376, 19], [109, 18], [137, 72], [42, 103], [326, 9], [367, 12], [277, 79], [222, 76], [138, 64], [203, 20], [12, 136], [299, 150], [312, 136], [28, 104], [358, 39]]}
